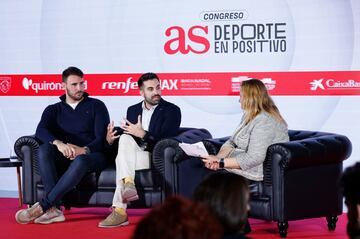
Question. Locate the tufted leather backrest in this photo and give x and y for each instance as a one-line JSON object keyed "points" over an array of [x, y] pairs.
{"points": [[192, 135], [311, 148]]}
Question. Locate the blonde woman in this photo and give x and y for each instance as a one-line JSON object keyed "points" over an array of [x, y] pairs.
{"points": [[260, 126]]}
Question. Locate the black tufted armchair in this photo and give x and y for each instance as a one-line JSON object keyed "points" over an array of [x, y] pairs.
{"points": [[97, 189], [300, 177]]}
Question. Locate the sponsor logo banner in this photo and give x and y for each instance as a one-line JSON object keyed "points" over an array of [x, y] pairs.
{"points": [[5, 84], [190, 84]]}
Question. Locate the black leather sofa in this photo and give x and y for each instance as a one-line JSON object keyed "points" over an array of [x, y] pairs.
{"points": [[300, 177], [97, 189]]}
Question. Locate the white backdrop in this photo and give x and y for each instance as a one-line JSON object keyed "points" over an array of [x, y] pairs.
{"points": [[44, 37]]}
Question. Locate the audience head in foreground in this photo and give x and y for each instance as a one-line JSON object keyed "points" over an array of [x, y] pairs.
{"points": [[178, 218], [227, 197], [351, 186]]}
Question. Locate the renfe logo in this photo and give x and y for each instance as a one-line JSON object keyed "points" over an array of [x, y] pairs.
{"points": [[132, 85], [115, 85], [196, 43]]}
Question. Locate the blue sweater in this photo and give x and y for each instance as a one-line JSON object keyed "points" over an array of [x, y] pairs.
{"points": [[84, 126]]}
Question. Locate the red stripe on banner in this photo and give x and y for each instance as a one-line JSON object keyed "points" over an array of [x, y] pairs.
{"points": [[190, 84]]}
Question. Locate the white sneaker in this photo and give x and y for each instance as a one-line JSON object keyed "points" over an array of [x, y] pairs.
{"points": [[51, 215], [25, 216]]}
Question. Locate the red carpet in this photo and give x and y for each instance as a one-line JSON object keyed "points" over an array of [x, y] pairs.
{"points": [[82, 223]]}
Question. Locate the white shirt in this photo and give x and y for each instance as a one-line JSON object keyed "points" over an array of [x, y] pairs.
{"points": [[73, 105], [146, 116]]}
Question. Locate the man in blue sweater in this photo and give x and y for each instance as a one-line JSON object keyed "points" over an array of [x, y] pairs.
{"points": [[73, 133]]}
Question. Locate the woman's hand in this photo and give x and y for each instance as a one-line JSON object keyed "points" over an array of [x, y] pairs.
{"points": [[211, 162]]}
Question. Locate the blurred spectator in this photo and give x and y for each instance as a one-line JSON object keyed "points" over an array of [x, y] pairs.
{"points": [[178, 218], [227, 196], [351, 187]]}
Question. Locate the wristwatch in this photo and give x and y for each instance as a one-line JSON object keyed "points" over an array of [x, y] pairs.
{"points": [[87, 150], [221, 163]]}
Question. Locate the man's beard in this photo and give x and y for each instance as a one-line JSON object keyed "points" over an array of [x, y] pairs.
{"points": [[154, 100], [76, 96]]}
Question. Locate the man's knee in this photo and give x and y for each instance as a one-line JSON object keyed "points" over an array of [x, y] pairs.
{"points": [[126, 140], [82, 159], [80, 163], [45, 150]]}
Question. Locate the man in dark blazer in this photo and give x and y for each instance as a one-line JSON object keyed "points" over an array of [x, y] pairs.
{"points": [[146, 123]]}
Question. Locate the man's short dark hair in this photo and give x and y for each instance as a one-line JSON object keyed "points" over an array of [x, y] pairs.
{"points": [[145, 77], [71, 70], [350, 182]]}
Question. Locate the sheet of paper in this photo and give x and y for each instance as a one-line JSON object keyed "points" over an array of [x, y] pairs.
{"points": [[198, 149]]}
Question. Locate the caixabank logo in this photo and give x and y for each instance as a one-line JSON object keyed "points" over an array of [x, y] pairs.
{"points": [[226, 32], [333, 84]]}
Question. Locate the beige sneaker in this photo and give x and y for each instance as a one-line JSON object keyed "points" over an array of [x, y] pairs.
{"points": [[25, 216], [114, 220], [51, 215], [129, 193]]}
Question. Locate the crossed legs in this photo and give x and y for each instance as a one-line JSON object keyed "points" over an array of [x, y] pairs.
{"points": [[130, 157]]}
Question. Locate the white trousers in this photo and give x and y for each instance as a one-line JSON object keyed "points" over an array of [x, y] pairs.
{"points": [[130, 157]]}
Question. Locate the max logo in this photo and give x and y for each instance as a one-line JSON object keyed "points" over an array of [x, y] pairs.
{"points": [[193, 40]]}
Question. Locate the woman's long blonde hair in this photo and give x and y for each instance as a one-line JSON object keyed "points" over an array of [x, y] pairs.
{"points": [[255, 99]]}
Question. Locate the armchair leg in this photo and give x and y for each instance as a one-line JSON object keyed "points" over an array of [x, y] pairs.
{"points": [[283, 226], [331, 220]]}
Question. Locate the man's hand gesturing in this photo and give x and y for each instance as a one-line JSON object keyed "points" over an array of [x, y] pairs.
{"points": [[110, 135], [134, 129]]}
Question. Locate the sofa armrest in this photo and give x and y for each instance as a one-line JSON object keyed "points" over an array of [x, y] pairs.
{"points": [[164, 158], [167, 154], [26, 148], [213, 145], [30, 141]]}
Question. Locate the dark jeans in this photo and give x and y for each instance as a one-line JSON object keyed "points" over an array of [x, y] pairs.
{"points": [[60, 174]]}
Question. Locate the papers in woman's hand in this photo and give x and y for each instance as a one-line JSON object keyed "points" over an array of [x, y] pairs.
{"points": [[198, 149]]}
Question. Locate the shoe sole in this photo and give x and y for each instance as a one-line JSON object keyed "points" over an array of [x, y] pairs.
{"points": [[118, 225], [52, 220], [133, 198], [130, 195], [18, 220]]}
